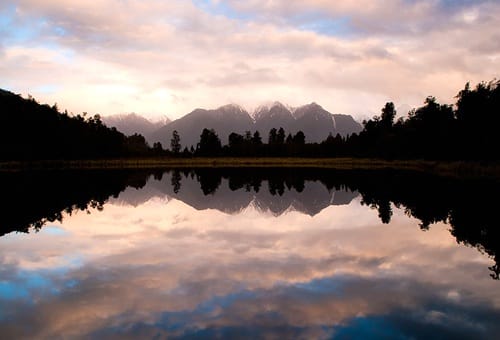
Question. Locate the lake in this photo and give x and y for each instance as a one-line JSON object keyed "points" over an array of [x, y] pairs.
{"points": [[249, 253]]}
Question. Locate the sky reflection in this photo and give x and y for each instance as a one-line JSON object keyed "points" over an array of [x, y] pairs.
{"points": [[163, 268]]}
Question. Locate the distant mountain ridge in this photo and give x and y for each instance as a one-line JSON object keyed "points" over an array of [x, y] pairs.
{"points": [[130, 123], [312, 119], [315, 122], [224, 120], [311, 200]]}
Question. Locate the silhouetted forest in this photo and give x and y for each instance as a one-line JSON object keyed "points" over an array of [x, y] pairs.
{"points": [[31, 199], [466, 131], [469, 207], [31, 131]]}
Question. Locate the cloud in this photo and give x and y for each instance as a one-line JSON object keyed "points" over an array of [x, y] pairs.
{"points": [[157, 57], [183, 271]]}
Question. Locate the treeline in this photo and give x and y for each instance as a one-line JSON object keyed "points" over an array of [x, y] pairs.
{"points": [[469, 207], [30, 131], [249, 144], [33, 199], [467, 130]]}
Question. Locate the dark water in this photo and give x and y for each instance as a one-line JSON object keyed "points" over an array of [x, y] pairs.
{"points": [[258, 253]]}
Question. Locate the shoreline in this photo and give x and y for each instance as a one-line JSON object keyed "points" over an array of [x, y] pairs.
{"points": [[460, 169]]}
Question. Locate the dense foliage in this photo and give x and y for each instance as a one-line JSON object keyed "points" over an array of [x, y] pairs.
{"points": [[465, 131], [29, 130], [435, 131], [469, 207]]}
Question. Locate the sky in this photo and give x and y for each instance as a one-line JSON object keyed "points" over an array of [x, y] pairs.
{"points": [[167, 270], [166, 58]]}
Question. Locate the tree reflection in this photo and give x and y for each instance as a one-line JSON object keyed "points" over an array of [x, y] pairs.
{"points": [[469, 207], [276, 186], [429, 199], [33, 199], [175, 180], [210, 180]]}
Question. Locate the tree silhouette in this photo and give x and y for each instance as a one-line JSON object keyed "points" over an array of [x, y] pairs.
{"points": [[466, 131], [478, 117], [175, 142], [209, 144], [248, 136], [280, 137], [31, 131], [272, 136], [209, 180], [388, 115], [175, 180], [299, 138], [235, 140], [256, 139], [468, 207], [137, 144], [157, 148]]}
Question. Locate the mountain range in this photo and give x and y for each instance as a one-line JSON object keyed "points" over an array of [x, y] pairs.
{"points": [[133, 123], [312, 119], [311, 200]]}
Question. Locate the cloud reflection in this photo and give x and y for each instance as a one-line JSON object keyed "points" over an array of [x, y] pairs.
{"points": [[165, 269]]}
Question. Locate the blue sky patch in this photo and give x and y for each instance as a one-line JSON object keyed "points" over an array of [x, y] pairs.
{"points": [[12, 29], [51, 230], [323, 285], [12, 291], [331, 27], [221, 8], [369, 328]]}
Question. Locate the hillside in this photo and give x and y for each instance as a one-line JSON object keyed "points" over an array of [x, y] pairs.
{"points": [[29, 130]]}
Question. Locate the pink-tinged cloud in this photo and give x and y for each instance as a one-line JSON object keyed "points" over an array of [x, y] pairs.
{"points": [[128, 266], [157, 57]]}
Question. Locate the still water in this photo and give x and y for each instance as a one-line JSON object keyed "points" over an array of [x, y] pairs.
{"points": [[253, 253]]}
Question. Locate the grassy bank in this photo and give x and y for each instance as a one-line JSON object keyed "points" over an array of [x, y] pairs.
{"points": [[456, 169]]}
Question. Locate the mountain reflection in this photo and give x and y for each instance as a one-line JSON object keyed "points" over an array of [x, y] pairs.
{"points": [[288, 253], [230, 190], [469, 207]]}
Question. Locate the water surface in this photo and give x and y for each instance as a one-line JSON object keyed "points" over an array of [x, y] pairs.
{"points": [[251, 253]]}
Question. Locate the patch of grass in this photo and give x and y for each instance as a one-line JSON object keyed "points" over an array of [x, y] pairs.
{"points": [[454, 168]]}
